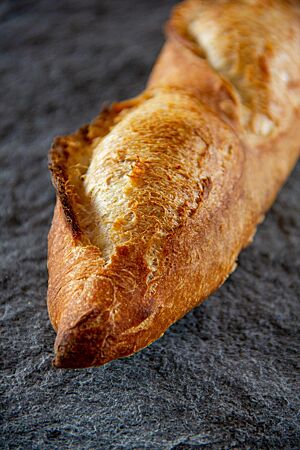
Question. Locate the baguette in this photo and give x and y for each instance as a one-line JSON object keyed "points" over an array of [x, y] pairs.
{"points": [[159, 194]]}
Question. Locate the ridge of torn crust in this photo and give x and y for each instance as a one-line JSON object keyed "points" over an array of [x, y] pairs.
{"points": [[64, 155]]}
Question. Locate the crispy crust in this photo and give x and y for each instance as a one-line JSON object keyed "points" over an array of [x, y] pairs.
{"points": [[105, 311]]}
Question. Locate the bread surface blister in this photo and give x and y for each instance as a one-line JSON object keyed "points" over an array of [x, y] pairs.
{"points": [[159, 194]]}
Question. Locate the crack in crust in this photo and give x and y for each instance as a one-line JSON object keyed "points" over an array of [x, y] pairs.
{"points": [[252, 44], [141, 175]]}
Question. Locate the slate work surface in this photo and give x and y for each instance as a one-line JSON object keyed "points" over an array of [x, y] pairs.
{"points": [[222, 377]]}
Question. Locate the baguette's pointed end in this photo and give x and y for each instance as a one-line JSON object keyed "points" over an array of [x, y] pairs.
{"points": [[81, 349], [77, 350]]}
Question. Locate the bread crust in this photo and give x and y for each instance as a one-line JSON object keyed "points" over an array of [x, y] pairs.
{"points": [[103, 310]]}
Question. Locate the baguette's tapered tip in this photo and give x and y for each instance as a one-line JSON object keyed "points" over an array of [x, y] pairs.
{"points": [[77, 349]]}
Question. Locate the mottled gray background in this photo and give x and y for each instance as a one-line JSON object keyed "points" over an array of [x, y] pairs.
{"points": [[222, 377]]}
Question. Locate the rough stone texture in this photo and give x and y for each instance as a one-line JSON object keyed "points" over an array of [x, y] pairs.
{"points": [[222, 377]]}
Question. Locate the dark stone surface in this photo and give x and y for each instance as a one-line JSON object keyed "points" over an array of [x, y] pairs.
{"points": [[222, 377]]}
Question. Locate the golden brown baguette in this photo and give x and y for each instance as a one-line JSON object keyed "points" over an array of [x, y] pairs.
{"points": [[157, 196]]}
